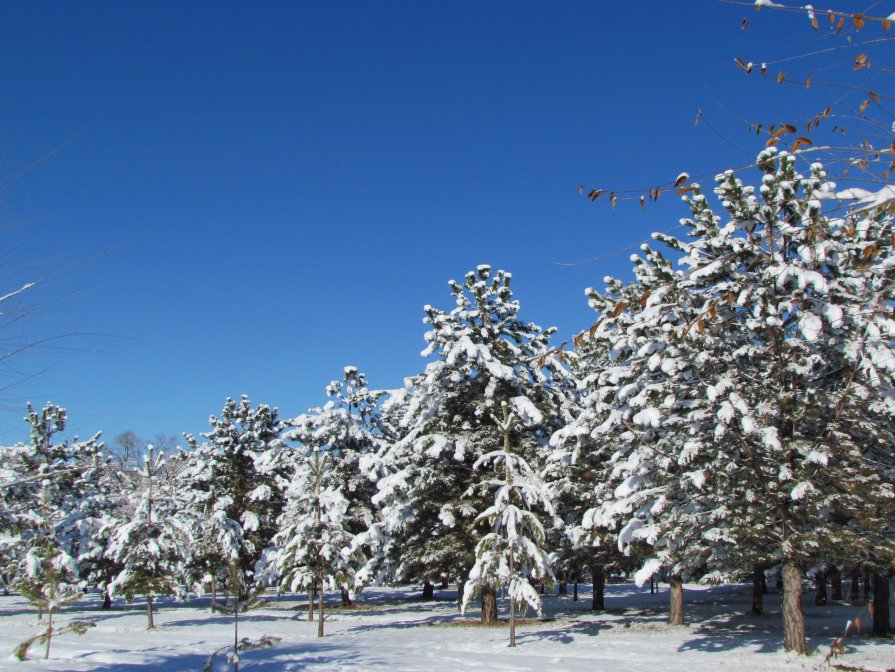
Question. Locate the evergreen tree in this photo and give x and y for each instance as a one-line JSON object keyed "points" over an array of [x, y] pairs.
{"points": [[513, 550], [316, 545], [48, 480], [150, 544], [485, 355], [234, 492], [346, 430], [750, 395]]}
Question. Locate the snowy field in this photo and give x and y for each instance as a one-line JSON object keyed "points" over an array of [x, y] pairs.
{"points": [[391, 629]]}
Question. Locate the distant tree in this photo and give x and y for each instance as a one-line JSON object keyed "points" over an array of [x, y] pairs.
{"points": [[229, 490], [149, 545]]}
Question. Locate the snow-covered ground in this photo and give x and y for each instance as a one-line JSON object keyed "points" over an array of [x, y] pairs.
{"points": [[390, 629]]}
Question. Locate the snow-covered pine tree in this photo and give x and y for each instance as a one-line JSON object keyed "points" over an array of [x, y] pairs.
{"points": [[760, 418], [45, 494], [104, 490], [631, 423], [513, 550], [485, 355], [346, 429], [151, 543], [234, 493], [316, 547], [573, 475]]}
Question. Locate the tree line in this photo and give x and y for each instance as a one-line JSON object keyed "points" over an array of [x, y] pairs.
{"points": [[728, 414]]}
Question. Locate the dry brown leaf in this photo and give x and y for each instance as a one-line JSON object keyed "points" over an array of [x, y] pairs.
{"points": [[859, 21]]}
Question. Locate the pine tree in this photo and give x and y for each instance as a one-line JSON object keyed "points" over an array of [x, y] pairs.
{"points": [[234, 491], [316, 545], [346, 430], [485, 355], [45, 492], [150, 544], [513, 550], [750, 394]]}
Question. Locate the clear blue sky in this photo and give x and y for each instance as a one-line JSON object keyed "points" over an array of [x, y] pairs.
{"points": [[245, 197]]}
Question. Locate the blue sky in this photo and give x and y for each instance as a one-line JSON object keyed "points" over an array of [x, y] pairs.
{"points": [[227, 198]]}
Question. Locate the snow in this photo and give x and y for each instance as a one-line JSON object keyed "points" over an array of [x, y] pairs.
{"points": [[391, 630], [526, 411]]}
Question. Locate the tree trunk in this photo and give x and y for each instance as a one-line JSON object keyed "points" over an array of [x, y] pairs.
{"points": [[835, 584], [489, 604], [575, 590], [107, 599], [820, 589], [868, 587], [149, 612], [881, 618], [311, 594], [598, 578], [49, 632], [320, 608], [757, 592], [676, 600], [512, 621], [461, 586], [428, 590], [563, 586], [512, 600], [854, 585], [444, 583], [346, 597], [793, 619], [214, 593]]}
